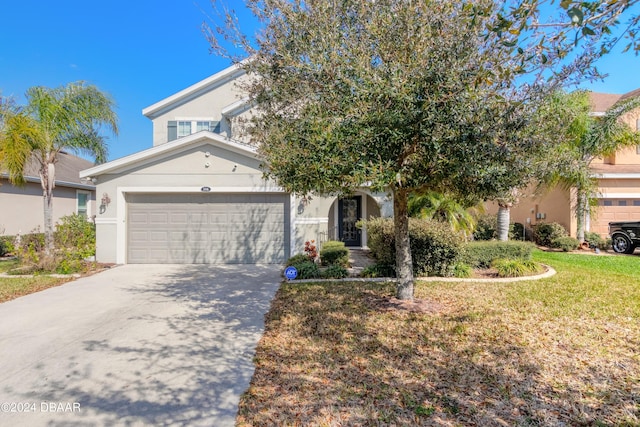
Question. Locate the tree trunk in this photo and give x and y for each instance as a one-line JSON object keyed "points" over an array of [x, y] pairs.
{"points": [[581, 210], [504, 219], [47, 180], [404, 262]]}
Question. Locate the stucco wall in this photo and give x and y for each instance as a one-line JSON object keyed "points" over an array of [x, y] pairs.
{"points": [[21, 208], [204, 106]]}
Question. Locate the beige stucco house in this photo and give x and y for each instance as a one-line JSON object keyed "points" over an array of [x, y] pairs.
{"points": [[618, 194], [198, 195], [21, 207]]}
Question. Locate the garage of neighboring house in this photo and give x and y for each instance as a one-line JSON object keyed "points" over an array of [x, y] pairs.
{"points": [[209, 228]]}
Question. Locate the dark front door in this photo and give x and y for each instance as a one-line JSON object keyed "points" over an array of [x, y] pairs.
{"points": [[349, 213]]}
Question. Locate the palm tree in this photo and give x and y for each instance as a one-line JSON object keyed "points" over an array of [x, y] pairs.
{"points": [[445, 208], [54, 119], [590, 137]]}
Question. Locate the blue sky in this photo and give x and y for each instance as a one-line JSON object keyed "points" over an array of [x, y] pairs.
{"points": [[142, 51]]}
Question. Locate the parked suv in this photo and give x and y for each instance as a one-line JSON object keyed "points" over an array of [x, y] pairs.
{"points": [[625, 236]]}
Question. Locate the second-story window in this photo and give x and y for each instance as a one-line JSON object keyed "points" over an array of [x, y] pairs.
{"points": [[184, 128], [179, 128]]}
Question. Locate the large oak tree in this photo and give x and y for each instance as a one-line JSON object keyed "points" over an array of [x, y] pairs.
{"points": [[401, 96]]}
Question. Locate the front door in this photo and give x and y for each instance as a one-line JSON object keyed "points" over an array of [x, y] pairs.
{"points": [[349, 213]]}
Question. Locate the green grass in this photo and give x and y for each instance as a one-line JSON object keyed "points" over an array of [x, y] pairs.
{"points": [[562, 350]]}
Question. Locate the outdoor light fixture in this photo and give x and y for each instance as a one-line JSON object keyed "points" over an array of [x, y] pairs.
{"points": [[104, 202]]}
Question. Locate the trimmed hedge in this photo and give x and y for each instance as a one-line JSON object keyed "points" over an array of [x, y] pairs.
{"points": [[434, 247], [546, 232], [334, 253], [482, 254], [565, 243]]}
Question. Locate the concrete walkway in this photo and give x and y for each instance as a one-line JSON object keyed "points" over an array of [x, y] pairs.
{"points": [[155, 345]]}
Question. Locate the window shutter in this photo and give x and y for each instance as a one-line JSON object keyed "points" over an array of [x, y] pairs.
{"points": [[172, 130]]}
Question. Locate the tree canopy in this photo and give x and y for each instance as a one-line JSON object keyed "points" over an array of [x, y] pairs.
{"points": [[402, 96], [69, 118]]}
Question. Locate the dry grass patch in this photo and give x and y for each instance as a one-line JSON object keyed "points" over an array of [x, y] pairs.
{"points": [[560, 351]]}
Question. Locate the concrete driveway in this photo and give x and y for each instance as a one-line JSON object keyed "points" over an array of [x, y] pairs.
{"points": [[135, 345]]}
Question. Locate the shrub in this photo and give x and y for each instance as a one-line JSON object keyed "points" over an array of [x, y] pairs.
{"points": [[6, 245], [486, 228], [565, 243], [334, 253], [434, 247], [595, 241], [379, 270], [461, 270], [544, 233], [514, 267], [307, 270], [76, 235], [482, 254], [297, 259], [335, 272]]}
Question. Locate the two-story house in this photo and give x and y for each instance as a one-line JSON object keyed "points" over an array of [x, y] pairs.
{"points": [[199, 196], [618, 193]]}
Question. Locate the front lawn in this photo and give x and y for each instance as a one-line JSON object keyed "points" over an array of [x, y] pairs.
{"points": [[14, 287], [558, 351]]}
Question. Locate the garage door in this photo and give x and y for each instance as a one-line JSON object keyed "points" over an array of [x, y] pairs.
{"points": [[611, 210], [207, 228]]}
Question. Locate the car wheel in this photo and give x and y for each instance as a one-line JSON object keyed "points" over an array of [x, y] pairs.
{"points": [[622, 245]]}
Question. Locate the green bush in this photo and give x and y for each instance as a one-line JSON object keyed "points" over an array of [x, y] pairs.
{"points": [[546, 232], [565, 243], [76, 235], [297, 259], [482, 254], [6, 245], [514, 267], [378, 270], [595, 241], [308, 270], [486, 228], [335, 271], [334, 253], [434, 247], [461, 270]]}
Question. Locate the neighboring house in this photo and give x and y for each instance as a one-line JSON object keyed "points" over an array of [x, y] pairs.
{"points": [[198, 195], [22, 208], [618, 195]]}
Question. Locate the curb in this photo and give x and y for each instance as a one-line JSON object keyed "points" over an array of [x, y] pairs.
{"points": [[549, 273]]}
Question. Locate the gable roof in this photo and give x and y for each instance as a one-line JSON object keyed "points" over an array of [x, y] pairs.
{"points": [[194, 91], [601, 102], [68, 169], [163, 150]]}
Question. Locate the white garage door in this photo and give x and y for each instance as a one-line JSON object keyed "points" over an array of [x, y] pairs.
{"points": [[207, 228]]}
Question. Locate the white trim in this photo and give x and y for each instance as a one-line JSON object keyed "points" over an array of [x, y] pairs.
{"points": [[205, 85], [109, 220], [236, 108], [617, 175], [293, 231], [619, 196], [168, 148], [311, 221]]}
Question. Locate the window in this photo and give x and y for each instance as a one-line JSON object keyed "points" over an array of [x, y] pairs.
{"points": [[179, 128], [622, 203], [636, 203], [200, 126], [607, 203], [184, 129], [82, 203]]}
